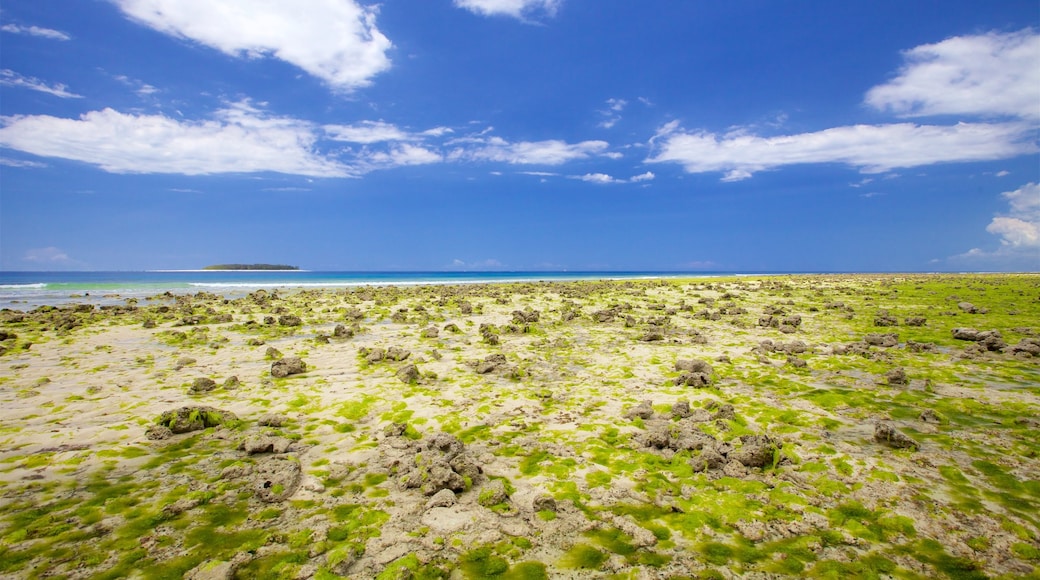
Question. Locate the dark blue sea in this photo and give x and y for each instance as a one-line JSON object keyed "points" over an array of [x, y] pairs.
{"points": [[27, 290]]}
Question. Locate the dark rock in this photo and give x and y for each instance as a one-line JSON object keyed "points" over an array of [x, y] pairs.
{"points": [[968, 307], [965, 334], [264, 444], [884, 318], [231, 383], [916, 321], [681, 410], [527, 316], [396, 353], [896, 377], [194, 418], [289, 320], [755, 451], [709, 459], [644, 410], [342, 331], [697, 380], [1026, 348], [452, 328], [490, 363], [202, 385], [288, 366], [889, 435], [158, 432], [430, 332], [884, 340], [273, 353], [375, 355], [652, 334], [183, 362], [693, 366], [991, 340], [271, 420], [408, 374], [797, 362]]}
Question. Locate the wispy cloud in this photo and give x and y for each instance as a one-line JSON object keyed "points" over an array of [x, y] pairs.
{"points": [[549, 152], [334, 40], [521, 9], [10, 78], [49, 33], [21, 163], [142, 89], [603, 178], [988, 74], [870, 148], [367, 132], [49, 255], [612, 114]]}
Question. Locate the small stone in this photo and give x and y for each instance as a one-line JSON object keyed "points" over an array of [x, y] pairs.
{"points": [[271, 420], [443, 498], [287, 366], [408, 374], [889, 435], [544, 503], [896, 377], [203, 385]]}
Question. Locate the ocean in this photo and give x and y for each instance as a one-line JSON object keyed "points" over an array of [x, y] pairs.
{"points": [[28, 290]]}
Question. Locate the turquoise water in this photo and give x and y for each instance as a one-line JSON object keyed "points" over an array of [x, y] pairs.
{"points": [[26, 290]]}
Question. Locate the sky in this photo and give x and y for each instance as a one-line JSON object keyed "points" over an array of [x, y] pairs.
{"points": [[749, 135]]}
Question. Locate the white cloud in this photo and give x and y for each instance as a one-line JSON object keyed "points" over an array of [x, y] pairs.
{"points": [[402, 155], [142, 89], [613, 112], [1003, 173], [488, 264], [366, 132], [36, 31], [48, 255], [334, 40], [10, 78], [550, 152], [597, 178], [1019, 232], [988, 74], [603, 178], [240, 139], [871, 148], [515, 8], [21, 163]]}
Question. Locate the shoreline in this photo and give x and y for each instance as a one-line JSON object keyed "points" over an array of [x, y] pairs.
{"points": [[664, 427]]}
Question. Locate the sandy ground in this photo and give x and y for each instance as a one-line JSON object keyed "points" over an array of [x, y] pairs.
{"points": [[553, 470]]}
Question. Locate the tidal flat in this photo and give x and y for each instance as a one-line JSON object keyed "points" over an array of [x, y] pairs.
{"points": [[823, 426]]}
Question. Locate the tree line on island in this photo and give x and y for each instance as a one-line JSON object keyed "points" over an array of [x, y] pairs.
{"points": [[251, 267]]}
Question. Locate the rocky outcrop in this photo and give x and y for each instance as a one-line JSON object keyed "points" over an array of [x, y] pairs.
{"points": [[285, 367]]}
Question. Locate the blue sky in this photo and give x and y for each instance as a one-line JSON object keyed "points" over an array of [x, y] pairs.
{"points": [[520, 134]]}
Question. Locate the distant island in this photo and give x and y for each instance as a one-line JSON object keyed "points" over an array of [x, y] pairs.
{"points": [[251, 267]]}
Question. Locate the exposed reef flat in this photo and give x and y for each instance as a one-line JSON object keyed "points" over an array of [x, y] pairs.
{"points": [[804, 426]]}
